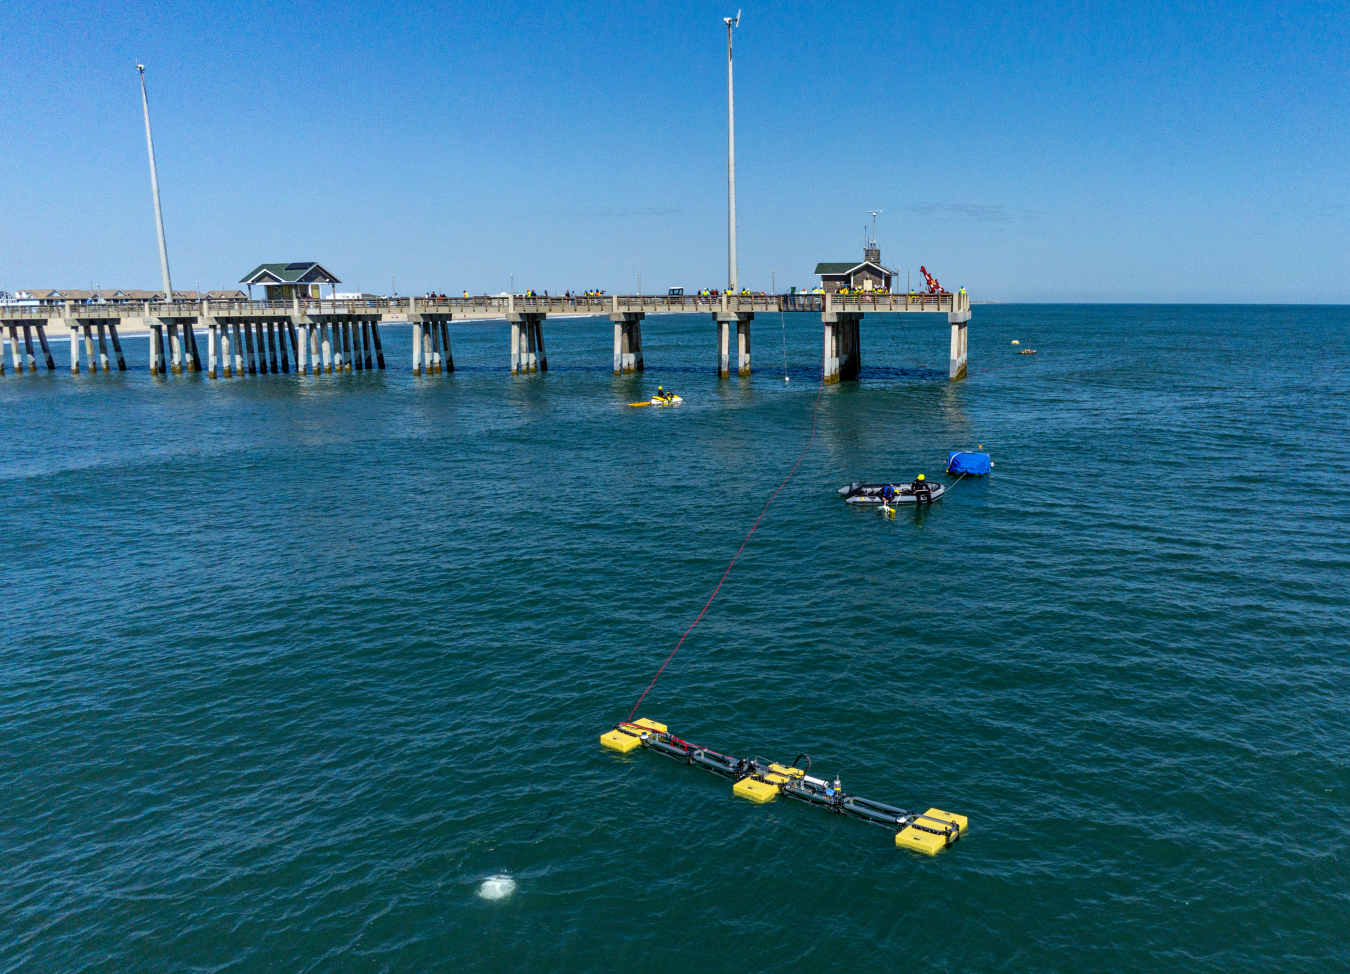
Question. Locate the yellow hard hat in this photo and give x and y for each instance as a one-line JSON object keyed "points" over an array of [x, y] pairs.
{"points": [[921, 476]]}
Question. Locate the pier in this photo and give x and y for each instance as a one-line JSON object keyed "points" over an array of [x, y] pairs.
{"points": [[326, 336]]}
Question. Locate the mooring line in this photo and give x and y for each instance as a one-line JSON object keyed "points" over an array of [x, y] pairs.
{"points": [[815, 410]]}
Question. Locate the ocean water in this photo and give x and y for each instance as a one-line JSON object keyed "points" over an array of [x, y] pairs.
{"points": [[307, 674]]}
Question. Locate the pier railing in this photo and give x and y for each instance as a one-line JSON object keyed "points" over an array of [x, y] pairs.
{"points": [[501, 305]]}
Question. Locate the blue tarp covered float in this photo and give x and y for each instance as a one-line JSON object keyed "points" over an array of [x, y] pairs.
{"points": [[972, 463]]}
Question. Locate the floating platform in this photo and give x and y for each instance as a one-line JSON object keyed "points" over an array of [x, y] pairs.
{"points": [[858, 493], [759, 781]]}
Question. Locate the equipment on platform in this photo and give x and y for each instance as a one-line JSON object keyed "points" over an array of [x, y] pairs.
{"points": [[971, 463], [933, 286], [860, 493], [761, 781]]}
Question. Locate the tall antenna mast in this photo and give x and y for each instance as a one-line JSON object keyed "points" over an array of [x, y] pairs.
{"points": [[154, 189], [731, 160]]}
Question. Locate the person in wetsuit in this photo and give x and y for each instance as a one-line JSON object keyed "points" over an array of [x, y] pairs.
{"points": [[663, 395], [920, 489]]}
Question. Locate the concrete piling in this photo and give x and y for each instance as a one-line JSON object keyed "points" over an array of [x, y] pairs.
{"points": [[74, 345], [238, 349], [194, 354], [282, 339], [117, 346], [153, 335], [375, 339], [272, 346], [248, 344], [30, 358], [957, 368], [46, 349], [211, 340], [175, 348], [450, 357], [365, 344], [627, 341], [417, 329], [104, 363], [89, 346]]}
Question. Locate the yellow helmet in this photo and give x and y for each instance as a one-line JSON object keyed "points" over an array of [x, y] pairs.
{"points": [[921, 476]]}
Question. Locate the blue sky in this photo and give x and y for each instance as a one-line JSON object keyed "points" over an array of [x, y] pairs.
{"points": [[1047, 152]]}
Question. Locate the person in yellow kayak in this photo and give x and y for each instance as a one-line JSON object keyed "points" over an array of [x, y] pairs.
{"points": [[663, 395]]}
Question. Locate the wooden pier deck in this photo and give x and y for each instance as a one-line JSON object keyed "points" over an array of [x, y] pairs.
{"points": [[328, 335]]}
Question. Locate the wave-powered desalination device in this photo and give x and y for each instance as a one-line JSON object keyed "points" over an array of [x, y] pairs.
{"points": [[760, 781]]}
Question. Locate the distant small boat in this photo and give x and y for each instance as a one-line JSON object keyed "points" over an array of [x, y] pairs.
{"points": [[1027, 351]]}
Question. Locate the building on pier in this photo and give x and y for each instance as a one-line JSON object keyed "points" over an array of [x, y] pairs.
{"points": [[285, 282], [867, 275]]}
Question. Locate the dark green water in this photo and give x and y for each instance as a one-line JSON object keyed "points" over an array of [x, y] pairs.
{"points": [[292, 666]]}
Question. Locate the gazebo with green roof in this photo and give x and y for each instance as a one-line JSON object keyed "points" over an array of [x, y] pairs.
{"points": [[299, 279]]}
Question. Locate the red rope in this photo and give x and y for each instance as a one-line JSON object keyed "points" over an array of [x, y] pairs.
{"points": [[814, 411]]}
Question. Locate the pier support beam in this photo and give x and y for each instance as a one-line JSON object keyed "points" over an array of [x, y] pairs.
{"points": [[212, 342], [379, 347], [339, 360], [741, 319], [226, 352], [958, 320], [104, 364], [842, 356], [46, 349], [365, 344], [238, 344], [175, 348], [14, 352], [527, 342], [347, 345], [431, 344], [89, 346], [74, 327], [194, 354], [326, 347], [117, 346], [30, 358], [627, 342]]}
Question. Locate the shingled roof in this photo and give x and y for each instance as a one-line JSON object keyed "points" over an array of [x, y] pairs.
{"points": [[297, 272], [832, 270]]}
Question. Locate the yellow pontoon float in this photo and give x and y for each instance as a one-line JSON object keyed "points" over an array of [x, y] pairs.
{"points": [[760, 781]]}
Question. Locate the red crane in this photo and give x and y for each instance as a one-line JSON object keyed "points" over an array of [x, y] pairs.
{"points": [[933, 286]]}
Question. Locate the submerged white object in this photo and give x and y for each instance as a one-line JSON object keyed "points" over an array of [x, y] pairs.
{"points": [[497, 888]]}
